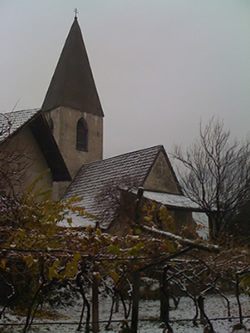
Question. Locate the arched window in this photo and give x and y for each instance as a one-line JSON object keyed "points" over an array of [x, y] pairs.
{"points": [[82, 135]]}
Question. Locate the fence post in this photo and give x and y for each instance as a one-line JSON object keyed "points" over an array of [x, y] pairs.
{"points": [[95, 305], [164, 296], [201, 307], [238, 297], [135, 299]]}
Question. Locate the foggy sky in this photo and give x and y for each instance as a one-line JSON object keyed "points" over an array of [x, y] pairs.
{"points": [[160, 66]]}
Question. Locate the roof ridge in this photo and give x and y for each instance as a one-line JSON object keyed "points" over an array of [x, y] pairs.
{"points": [[13, 122], [135, 157], [124, 154], [16, 111]]}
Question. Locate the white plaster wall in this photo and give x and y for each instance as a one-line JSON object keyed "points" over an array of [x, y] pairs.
{"points": [[31, 161], [161, 178]]}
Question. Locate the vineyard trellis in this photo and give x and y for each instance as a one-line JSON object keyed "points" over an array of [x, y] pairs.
{"points": [[171, 266], [37, 257]]}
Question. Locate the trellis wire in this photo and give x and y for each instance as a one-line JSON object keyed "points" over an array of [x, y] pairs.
{"points": [[117, 321]]}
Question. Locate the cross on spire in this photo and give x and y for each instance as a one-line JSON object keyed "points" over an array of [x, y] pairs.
{"points": [[76, 12]]}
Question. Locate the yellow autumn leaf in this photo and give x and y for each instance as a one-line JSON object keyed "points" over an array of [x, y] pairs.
{"points": [[138, 231], [114, 276], [89, 228], [171, 247], [71, 269], [3, 263], [77, 256], [29, 260], [98, 232], [245, 283], [114, 248], [69, 220], [53, 273]]}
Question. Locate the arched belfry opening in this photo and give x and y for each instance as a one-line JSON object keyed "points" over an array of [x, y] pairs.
{"points": [[82, 135]]}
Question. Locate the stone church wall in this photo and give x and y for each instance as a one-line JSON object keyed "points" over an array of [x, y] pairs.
{"points": [[64, 130]]}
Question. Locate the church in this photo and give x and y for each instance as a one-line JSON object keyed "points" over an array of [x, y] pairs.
{"points": [[65, 136]]}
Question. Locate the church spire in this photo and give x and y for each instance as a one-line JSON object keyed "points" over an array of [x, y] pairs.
{"points": [[72, 84]]}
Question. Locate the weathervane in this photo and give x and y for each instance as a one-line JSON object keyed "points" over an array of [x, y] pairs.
{"points": [[76, 12]]}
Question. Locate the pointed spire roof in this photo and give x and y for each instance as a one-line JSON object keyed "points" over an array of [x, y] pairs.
{"points": [[72, 84]]}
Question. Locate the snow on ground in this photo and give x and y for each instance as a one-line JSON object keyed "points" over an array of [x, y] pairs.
{"points": [[214, 307]]}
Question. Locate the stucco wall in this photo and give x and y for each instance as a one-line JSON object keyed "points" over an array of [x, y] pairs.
{"points": [[64, 130], [59, 188], [161, 178], [26, 157], [181, 219]]}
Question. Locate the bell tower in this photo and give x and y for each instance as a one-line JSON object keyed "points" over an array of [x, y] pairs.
{"points": [[72, 105]]}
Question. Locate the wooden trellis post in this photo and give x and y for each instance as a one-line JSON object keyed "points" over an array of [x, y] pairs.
{"points": [[135, 299], [95, 305], [164, 296]]}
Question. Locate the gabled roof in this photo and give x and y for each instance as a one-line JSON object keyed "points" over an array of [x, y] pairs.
{"points": [[94, 179], [11, 123], [72, 84], [97, 182]]}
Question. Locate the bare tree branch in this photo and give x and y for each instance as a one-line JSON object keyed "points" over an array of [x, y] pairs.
{"points": [[214, 173]]}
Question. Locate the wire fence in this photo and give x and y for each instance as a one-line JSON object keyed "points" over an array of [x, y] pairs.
{"points": [[45, 323], [167, 270]]}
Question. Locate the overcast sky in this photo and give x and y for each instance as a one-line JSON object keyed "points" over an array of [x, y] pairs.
{"points": [[160, 66]]}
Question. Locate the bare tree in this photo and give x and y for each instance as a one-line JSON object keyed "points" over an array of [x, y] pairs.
{"points": [[214, 173]]}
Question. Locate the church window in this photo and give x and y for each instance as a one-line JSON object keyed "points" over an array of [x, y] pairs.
{"points": [[82, 135]]}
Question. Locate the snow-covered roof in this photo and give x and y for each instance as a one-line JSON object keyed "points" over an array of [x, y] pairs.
{"points": [[78, 221], [10, 122], [95, 181], [99, 184], [171, 200]]}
